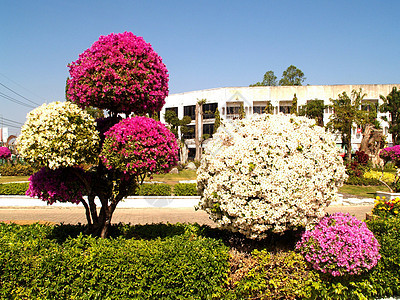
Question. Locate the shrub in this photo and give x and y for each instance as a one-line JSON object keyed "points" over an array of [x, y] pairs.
{"points": [[154, 190], [354, 180], [386, 208], [15, 188], [391, 154], [387, 177], [340, 245], [5, 153], [269, 173], [185, 189], [17, 169]]}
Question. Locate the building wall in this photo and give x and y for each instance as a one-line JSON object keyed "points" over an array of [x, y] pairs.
{"points": [[228, 97]]}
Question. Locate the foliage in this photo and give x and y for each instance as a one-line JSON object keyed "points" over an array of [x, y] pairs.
{"points": [[34, 266], [217, 121], [314, 109], [14, 188], [386, 208], [347, 112], [158, 189], [139, 146], [175, 123], [242, 113], [17, 169], [293, 107], [340, 245], [185, 189], [391, 154], [357, 166], [269, 173], [292, 76], [59, 134], [120, 73], [5, 153], [61, 185], [384, 176], [365, 181], [269, 109], [391, 104], [269, 79]]}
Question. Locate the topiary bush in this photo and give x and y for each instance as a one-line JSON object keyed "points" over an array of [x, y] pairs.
{"points": [[269, 173], [340, 245]]}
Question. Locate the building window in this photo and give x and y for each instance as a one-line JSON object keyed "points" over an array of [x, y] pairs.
{"points": [[284, 109], [209, 110], [369, 105], [208, 129], [190, 111], [232, 112], [174, 109], [258, 109]]}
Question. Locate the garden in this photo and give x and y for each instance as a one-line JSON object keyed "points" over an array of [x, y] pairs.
{"points": [[265, 182]]}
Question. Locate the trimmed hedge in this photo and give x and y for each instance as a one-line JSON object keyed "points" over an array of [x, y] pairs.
{"points": [[15, 188], [185, 189], [158, 189], [32, 266], [354, 180], [16, 170]]}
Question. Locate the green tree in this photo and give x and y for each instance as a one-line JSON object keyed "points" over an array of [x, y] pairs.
{"points": [[347, 112], [314, 109], [391, 104], [292, 76], [293, 108], [242, 113], [269, 109], [175, 124], [269, 79], [217, 122]]}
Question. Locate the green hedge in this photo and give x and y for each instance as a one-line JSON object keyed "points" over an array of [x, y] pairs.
{"points": [[185, 189], [159, 189], [353, 180], [32, 266], [17, 188], [17, 169]]}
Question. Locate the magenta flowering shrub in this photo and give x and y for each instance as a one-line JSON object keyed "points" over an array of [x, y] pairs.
{"points": [[4, 153], [121, 73], [61, 185], [391, 154], [138, 146], [339, 245]]}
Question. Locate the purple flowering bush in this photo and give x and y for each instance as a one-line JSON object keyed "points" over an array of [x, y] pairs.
{"points": [[61, 185], [340, 245], [138, 146], [4, 153], [391, 154], [120, 72]]}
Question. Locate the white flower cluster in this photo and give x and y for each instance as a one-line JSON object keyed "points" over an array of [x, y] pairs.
{"points": [[59, 134], [269, 173]]}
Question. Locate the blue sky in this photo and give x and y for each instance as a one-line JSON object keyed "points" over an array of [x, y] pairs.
{"points": [[204, 44]]}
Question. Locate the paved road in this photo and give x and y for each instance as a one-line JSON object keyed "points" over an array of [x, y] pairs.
{"points": [[75, 215]]}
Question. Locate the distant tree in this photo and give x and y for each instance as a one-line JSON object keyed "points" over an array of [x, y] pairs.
{"points": [[314, 109], [268, 80], [292, 76], [347, 112], [391, 104], [293, 108], [269, 109], [217, 122], [242, 113], [175, 124]]}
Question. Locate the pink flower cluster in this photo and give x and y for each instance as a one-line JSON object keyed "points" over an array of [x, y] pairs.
{"points": [[391, 154], [4, 153], [340, 244], [61, 185], [121, 73], [140, 145]]}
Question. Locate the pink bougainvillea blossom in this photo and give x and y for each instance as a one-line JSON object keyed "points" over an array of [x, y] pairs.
{"points": [[121, 73], [340, 244], [140, 145], [391, 154], [4, 153], [61, 185]]}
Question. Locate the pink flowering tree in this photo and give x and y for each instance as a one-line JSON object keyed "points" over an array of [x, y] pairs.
{"points": [[123, 75], [392, 154], [5, 153]]}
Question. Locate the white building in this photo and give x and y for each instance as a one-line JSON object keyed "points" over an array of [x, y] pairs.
{"points": [[254, 100]]}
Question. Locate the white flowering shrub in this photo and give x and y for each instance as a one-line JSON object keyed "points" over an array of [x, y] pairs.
{"points": [[59, 134], [269, 173]]}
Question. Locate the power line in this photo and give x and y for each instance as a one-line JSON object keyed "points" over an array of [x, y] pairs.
{"points": [[11, 121], [16, 83], [15, 100], [18, 94]]}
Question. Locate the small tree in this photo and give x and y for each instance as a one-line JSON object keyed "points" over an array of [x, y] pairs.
{"points": [[269, 109], [120, 73], [391, 104], [293, 108], [268, 80], [217, 122], [314, 109], [242, 113], [347, 112]]}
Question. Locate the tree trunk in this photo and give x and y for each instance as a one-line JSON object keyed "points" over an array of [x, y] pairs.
{"points": [[198, 129]]}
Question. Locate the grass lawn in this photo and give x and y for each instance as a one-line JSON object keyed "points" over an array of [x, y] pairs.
{"points": [[175, 178], [5, 179], [362, 191]]}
